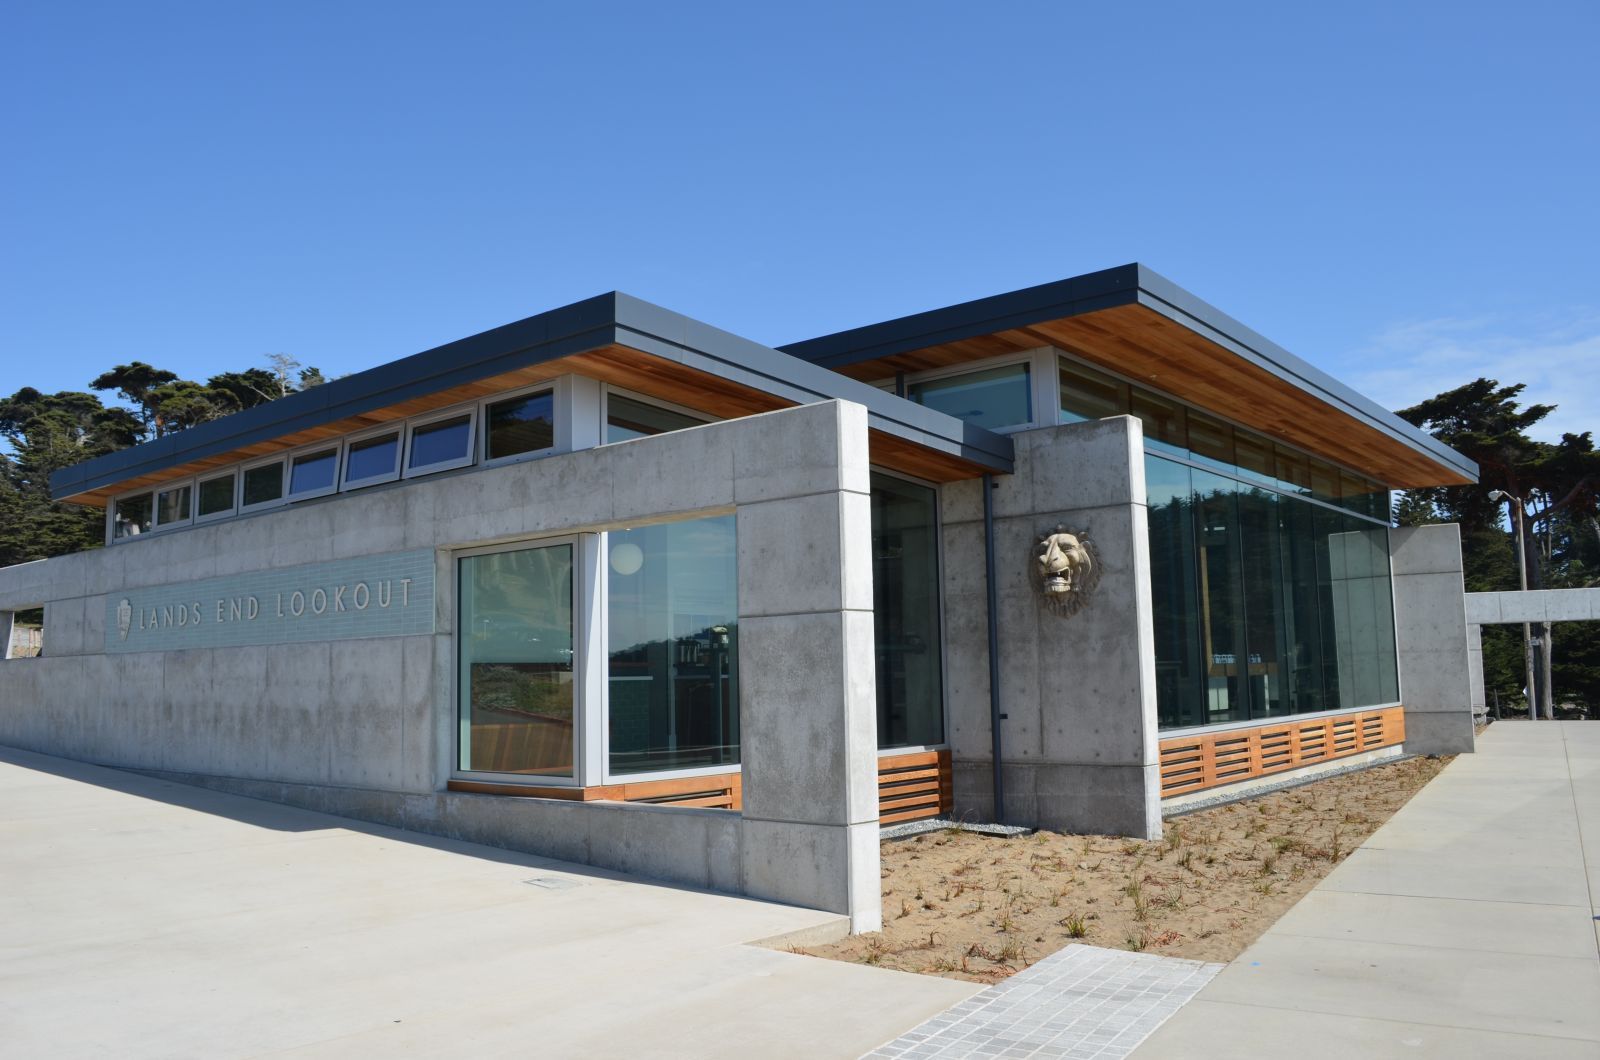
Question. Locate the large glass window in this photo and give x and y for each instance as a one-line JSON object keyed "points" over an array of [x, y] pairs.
{"points": [[905, 600], [525, 424], [673, 607], [131, 516], [1264, 604], [516, 662], [627, 419], [1189, 434], [991, 397]]}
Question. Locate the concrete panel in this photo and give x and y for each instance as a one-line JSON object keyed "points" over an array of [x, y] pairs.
{"points": [[792, 554], [799, 863], [1432, 549], [1085, 465], [800, 452], [1439, 733], [1431, 631]]}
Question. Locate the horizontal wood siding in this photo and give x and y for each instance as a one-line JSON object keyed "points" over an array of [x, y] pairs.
{"points": [[910, 787], [914, 786], [1209, 760]]}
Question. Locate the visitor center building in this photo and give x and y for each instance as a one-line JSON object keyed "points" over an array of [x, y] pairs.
{"points": [[611, 585]]}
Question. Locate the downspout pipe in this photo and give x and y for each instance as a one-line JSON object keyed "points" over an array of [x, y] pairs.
{"points": [[995, 717]]}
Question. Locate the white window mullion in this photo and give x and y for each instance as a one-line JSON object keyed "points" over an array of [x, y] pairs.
{"points": [[589, 582]]}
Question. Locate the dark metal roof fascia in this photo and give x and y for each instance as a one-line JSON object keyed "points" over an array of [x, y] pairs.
{"points": [[684, 340], [576, 328], [1124, 285], [982, 316]]}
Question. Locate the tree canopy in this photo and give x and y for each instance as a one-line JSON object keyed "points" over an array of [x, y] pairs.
{"points": [[46, 432]]}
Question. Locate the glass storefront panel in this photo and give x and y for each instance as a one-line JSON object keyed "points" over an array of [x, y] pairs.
{"points": [[1264, 605], [1171, 427], [905, 600], [516, 662], [1180, 681], [1222, 626], [991, 398], [673, 633]]}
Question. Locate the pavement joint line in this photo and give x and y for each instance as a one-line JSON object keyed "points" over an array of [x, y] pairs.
{"points": [[1403, 1023], [1451, 898], [1431, 946]]}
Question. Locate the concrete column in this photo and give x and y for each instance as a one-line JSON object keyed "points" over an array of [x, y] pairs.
{"points": [[1077, 694], [1431, 629], [807, 687]]}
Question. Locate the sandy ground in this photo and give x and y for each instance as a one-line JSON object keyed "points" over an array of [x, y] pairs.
{"points": [[967, 906]]}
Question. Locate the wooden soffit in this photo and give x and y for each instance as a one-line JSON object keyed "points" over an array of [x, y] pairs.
{"points": [[1152, 349]]}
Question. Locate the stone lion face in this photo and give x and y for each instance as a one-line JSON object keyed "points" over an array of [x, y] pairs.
{"points": [[1063, 562]]}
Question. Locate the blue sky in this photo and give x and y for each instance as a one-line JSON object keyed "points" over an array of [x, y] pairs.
{"points": [[1403, 194]]}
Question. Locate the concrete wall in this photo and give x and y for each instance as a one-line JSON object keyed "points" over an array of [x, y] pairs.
{"points": [[1431, 627], [1080, 749], [1516, 607], [363, 727]]}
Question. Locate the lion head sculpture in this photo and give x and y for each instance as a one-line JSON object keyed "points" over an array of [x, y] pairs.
{"points": [[1065, 570]]}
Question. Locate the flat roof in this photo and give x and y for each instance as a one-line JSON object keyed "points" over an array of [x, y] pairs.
{"points": [[1136, 322], [606, 335]]}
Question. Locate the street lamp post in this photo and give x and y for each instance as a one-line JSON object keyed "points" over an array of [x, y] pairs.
{"points": [[1522, 572]]}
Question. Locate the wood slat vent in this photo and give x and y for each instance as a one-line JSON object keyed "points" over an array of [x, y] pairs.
{"points": [[914, 786], [1208, 760]]}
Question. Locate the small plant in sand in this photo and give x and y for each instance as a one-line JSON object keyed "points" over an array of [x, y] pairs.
{"points": [[1137, 943], [1269, 864], [1076, 926], [1175, 838]]}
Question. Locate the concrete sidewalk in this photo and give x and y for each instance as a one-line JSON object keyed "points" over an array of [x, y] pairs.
{"points": [[140, 918], [1465, 927]]}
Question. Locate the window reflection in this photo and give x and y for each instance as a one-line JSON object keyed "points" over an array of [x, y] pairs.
{"points": [[992, 397], [516, 662], [905, 600], [627, 419], [1264, 605], [673, 640]]}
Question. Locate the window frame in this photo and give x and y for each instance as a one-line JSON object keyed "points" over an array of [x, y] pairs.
{"points": [[157, 525], [480, 444], [419, 422], [583, 610], [601, 632], [645, 399], [394, 427], [335, 444], [944, 656], [1032, 360], [232, 509], [282, 460], [111, 516]]}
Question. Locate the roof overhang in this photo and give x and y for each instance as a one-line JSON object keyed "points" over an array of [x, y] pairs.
{"points": [[1142, 326], [613, 337]]}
